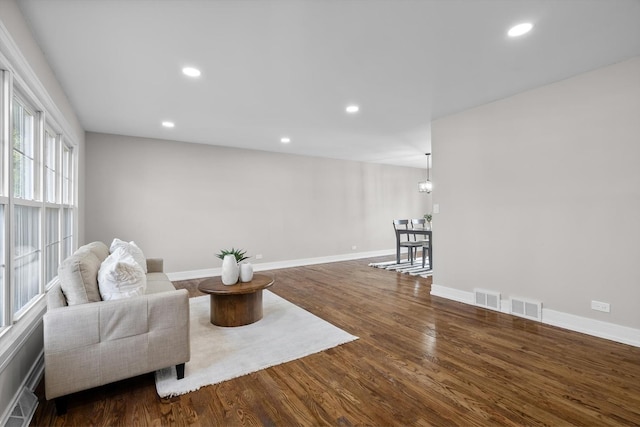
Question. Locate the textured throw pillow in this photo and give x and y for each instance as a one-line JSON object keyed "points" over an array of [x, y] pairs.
{"points": [[78, 275], [120, 276], [132, 249]]}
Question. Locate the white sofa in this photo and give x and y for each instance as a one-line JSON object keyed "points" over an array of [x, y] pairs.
{"points": [[89, 342]]}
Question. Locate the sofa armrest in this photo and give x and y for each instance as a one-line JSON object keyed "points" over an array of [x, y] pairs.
{"points": [[93, 344], [155, 265]]}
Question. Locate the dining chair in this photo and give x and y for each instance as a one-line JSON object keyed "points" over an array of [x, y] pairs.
{"points": [[421, 224], [411, 245]]}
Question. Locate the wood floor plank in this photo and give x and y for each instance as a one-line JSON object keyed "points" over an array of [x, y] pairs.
{"points": [[419, 361]]}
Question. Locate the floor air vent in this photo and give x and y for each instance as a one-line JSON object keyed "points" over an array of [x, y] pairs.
{"points": [[487, 299], [526, 308], [24, 409]]}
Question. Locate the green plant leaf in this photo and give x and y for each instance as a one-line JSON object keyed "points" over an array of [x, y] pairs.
{"points": [[239, 254]]}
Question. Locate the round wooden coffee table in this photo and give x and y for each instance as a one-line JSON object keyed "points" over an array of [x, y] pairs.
{"points": [[236, 305]]}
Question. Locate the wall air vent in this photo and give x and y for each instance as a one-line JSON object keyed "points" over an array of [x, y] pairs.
{"points": [[526, 308], [487, 299]]}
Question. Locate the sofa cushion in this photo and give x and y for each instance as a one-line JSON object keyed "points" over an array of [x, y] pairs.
{"points": [[120, 276], [132, 249], [78, 275], [158, 282], [155, 287]]}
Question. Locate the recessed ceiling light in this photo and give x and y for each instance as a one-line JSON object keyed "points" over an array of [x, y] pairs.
{"points": [[168, 124], [520, 29], [285, 140], [191, 72], [351, 109]]}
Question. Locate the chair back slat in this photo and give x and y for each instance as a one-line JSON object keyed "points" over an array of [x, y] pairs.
{"points": [[419, 224], [402, 224]]}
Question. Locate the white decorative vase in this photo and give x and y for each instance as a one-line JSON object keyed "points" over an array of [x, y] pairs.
{"points": [[230, 270], [246, 272]]}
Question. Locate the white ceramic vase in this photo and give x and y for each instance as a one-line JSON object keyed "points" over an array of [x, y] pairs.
{"points": [[246, 272], [230, 270]]}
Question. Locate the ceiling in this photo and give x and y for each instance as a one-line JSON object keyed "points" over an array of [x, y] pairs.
{"points": [[274, 68]]}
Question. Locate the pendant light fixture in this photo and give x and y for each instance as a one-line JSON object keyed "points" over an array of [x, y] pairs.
{"points": [[426, 186]]}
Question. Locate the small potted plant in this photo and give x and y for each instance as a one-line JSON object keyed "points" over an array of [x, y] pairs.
{"points": [[428, 217], [231, 270], [238, 254]]}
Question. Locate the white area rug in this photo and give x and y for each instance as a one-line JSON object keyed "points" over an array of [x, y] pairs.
{"points": [[405, 267], [286, 332]]}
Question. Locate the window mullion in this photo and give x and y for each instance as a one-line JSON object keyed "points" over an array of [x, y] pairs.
{"points": [[60, 231], [58, 196], [5, 119], [58, 174], [39, 169]]}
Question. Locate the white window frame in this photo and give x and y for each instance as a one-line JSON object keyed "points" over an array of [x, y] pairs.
{"points": [[6, 98], [36, 202], [36, 179], [43, 127]]}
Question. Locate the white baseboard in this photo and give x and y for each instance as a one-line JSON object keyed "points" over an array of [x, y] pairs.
{"points": [[193, 274], [596, 328], [452, 294], [36, 374], [211, 272]]}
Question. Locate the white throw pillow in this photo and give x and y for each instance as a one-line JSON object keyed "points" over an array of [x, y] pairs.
{"points": [[120, 276], [132, 249]]}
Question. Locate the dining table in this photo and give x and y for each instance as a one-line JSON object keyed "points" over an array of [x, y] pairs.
{"points": [[415, 231]]}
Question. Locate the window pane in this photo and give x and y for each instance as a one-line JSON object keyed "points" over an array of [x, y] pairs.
{"points": [[52, 244], [67, 233], [23, 152], [67, 175], [50, 167], [26, 262]]}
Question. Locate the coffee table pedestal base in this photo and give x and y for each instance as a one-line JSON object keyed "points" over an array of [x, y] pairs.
{"points": [[236, 305], [236, 310]]}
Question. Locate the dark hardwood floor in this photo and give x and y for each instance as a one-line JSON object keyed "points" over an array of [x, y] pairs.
{"points": [[420, 361]]}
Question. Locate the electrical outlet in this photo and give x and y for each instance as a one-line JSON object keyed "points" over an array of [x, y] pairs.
{"points": [[259, 256], [354, 247], [601, 306]]}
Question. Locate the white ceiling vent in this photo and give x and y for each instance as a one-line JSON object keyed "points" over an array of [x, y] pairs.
{"points": [[526, 308], [487, 299]]}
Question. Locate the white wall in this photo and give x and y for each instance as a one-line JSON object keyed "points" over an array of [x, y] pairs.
{"points": [[184, 202], [539, 195]]}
